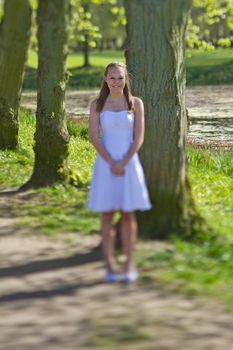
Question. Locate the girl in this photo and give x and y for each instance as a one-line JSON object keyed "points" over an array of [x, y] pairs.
{"points": [[118, 182]]}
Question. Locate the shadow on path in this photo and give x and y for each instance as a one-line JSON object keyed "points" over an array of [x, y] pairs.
{"points": [[69, 289], [9, 193], [52, 264]]}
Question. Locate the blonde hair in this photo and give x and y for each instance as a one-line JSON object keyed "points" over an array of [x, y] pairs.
{"points": [[104, 90]]}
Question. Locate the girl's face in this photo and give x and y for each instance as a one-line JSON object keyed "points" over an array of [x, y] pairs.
{"points": [[115, 79]]}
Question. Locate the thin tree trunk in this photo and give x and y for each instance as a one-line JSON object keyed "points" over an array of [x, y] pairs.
{"points": [[85, 43], [51, 137], [86, 52], [155, 58], [14, 42]]}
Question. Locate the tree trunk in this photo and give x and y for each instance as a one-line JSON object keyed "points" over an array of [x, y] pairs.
{"points": [[155, 58], [86, 52], [14, 42], [86, 36], [51, 136]]}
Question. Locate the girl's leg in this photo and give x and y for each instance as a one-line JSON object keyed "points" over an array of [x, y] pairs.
{"points": [[108, 240], [128, 237]]}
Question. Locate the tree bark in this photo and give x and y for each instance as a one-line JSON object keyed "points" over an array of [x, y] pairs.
{"points": [[14, 42], [86, 52], [86, 37], [155, 58], [51, 136]]}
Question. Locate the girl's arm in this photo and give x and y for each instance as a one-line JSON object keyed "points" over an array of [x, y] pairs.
{"points": [[94, 123]]}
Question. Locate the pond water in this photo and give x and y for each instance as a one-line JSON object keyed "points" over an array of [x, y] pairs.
{"points": [[210, 110]]}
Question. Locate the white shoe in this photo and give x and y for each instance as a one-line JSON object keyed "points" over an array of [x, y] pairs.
{"points": [[130, 277]]}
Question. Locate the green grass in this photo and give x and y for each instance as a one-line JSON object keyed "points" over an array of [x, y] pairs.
{"points": [[79, 77], [56, 209], [194, 268], [206, 268], [196, 58], [211, 175], [203, 68], [209, 68], [16, 167], [74, 60]]}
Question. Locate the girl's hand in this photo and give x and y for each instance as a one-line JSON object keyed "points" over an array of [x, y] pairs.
{"points": [[118, 168]]}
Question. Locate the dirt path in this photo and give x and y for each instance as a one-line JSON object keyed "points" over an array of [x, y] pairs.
{"points": [[52, 297]]}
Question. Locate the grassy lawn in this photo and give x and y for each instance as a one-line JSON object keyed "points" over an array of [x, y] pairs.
{"points": [[97, 59], [201, 268], [205, 58], [203, 68], [209, 68], [195, 268]]}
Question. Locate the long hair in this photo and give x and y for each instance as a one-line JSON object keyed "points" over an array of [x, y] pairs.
{"points": [[104, 90]]}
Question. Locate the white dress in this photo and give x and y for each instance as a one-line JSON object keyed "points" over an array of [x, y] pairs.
{"points": [[109, 192]]}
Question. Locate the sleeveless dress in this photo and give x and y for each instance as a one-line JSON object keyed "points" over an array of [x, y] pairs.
{"points": [[109, 192]]}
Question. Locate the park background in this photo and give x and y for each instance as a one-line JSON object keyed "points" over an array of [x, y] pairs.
{"points": [[195, 269]]}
